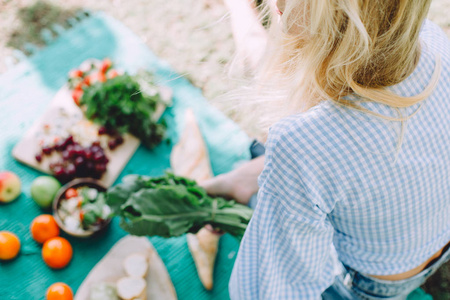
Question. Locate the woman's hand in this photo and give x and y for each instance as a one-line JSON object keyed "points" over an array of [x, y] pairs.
{"points": [[239, 184]]}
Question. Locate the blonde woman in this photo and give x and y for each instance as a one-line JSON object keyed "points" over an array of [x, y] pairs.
{"points": [[357, 98]]}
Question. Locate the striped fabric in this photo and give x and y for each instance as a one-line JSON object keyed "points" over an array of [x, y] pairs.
{"points": [[334, 175]]}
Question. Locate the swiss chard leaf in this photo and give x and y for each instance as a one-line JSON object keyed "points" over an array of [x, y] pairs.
{"points": [[171, 205]]}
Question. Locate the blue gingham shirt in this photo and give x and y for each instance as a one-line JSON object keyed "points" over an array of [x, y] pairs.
{"points": [[336, 176]]}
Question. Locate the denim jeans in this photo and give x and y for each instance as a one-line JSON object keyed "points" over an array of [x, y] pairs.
{"points": [[354, 285]]}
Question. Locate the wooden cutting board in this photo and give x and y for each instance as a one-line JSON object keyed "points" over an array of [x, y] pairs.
{"points": [[26, 150], [110, 269]]}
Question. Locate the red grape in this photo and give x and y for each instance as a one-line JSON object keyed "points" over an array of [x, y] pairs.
{"points": [[59, 171], [38, 157], [60, 146], [119, 140], [96, 148], [65, 155], [112, 144], [69, 140], [102, 130], [78, 150], [88, 154], [99, 157], [100, 168], [47, 150], [71, 170], [90, 166], [79, 161]]}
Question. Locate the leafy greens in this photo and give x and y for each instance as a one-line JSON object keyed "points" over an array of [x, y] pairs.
{"points": [[170, 206], [127, 104]]}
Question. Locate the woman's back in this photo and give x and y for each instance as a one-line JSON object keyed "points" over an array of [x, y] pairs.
{"points": [[393, 206], [336, 173]]}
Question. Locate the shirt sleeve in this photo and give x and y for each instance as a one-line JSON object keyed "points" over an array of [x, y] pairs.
{"points": [[285, 252]]}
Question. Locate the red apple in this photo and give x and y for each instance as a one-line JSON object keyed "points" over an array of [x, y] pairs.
{"points": [[9, 186]]}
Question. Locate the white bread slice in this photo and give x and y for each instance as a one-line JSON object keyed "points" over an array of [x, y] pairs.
{"points": [[132, 288], [190, 158], [136, 265]]}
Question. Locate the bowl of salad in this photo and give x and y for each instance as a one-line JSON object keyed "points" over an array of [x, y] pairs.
{"points": [[80, 207]]}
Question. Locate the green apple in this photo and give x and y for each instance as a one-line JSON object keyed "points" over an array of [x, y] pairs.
{"points": [[9, 186], [44, 189]]}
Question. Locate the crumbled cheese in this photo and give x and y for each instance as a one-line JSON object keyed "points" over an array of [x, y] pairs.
{"points": [[73, 224], [92, 194]]}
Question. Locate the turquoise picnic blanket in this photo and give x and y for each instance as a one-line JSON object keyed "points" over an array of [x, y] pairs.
{"points": [[25, 92]]}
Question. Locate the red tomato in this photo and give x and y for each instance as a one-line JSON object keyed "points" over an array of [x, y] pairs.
{"points": [[70, 193], [87, 80], [113, 73], [76, 95], [101, 77], [79, 86], [76, 74], [81, 215], [106, 64]]}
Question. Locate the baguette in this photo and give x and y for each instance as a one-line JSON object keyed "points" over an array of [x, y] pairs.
{"points": [[190, 158]]}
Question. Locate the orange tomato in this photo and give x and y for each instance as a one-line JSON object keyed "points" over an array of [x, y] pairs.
{"points": [[59, 291], [9, 245], [44, 227], [70, 193], [57, 252]]}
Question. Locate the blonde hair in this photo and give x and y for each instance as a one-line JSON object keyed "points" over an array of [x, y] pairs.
{"points": [[329, 49]]}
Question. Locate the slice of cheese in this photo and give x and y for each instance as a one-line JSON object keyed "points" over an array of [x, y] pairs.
{"points": [[190, 159]]}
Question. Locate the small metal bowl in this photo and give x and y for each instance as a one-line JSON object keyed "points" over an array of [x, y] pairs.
{"points": [[76, 183]]}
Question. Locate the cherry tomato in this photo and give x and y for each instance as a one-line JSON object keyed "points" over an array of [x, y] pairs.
{"points": [[70, 193], [79, 86], [106, 64], [76, 74], [101, 77], [113, 73], [76, 96], [81, 215], [87, 80]]}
